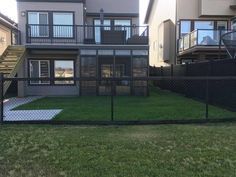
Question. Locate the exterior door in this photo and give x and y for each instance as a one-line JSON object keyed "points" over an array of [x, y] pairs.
{"points": [[97, 29]]}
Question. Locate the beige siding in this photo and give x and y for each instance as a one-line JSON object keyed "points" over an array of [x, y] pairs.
{"points": [[5, 38], [77, 8], [159, 45], [113, 6], [216, 8]]}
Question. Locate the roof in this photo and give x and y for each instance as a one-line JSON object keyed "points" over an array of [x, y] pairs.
{"points": [[70, 1], [6, 21], [149, 10]]}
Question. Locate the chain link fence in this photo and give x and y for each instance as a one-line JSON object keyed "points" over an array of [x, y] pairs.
{"points": [[125, 101]]}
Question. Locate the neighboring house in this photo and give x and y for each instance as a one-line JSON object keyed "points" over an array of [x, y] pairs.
{"points": [[188, 30], [85, 39], [8, 32]]}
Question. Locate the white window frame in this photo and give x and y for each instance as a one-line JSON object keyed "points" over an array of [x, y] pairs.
{"points": [[37, 28], [39, 64]]}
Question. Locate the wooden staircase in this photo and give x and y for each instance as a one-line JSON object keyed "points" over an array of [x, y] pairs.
{"points": [[10, 62]]}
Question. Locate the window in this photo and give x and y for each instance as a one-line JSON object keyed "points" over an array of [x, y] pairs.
{"points": [[63, 25], [107, 70], [39, 69], [185, 27], [64, 69], [222, 25], [38, 22], [125, 25], [233, 24], [204, 25], [206, 32], [88, 66], [97, 23]]}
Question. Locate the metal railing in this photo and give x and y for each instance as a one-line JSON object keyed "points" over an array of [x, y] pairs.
{"points": [[86, 34], [200, 37]]}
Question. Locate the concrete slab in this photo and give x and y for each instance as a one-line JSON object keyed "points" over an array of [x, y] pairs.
{"points": [[26, 115]]}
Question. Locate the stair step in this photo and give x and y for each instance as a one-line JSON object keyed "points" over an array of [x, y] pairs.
{"points": [[11, 58], [8, 61], [6, 71], [6, 67]]}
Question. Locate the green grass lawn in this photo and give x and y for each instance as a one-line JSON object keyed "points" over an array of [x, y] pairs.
{"points": [[158, 106], [136, 151]]}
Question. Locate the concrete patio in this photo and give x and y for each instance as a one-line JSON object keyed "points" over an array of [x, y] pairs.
{"points": [[26, 115]]}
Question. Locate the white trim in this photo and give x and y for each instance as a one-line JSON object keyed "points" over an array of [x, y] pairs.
{"points": [[39, 65]]}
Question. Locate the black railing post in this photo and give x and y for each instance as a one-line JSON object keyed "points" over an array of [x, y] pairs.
{"points": [[219, 54], [76, 33], [207, 99], [172, 74], [112, 100], [27, 34], [1, 97]]}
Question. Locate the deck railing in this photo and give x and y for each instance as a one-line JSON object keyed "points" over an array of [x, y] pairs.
{"points": [[86, 34], [200, 37]]}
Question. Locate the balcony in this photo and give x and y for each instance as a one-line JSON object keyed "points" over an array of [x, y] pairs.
{"points": [[86, 34], [200, 40]]}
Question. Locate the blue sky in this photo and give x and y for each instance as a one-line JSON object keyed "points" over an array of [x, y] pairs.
{"points": [[8, 7]]}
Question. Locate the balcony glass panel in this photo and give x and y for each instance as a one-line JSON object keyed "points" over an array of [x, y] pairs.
{"points": [[186, 41], [193, 40], [208, 37], [181, 45]]}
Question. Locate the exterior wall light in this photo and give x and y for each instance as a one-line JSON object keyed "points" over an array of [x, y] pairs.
{"points": [[23, 13]]}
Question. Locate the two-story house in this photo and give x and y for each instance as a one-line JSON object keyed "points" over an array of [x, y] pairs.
{"points": [[8, 32], [188, 30], [81, 39]]}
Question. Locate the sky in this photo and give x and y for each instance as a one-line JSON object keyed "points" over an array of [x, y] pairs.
{"points": [[8, 8]]}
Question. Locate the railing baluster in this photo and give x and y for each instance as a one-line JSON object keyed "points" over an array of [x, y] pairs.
{"points": [[77, 33]]}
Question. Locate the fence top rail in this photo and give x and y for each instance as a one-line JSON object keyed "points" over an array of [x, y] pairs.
{"points": [[158, 78]]}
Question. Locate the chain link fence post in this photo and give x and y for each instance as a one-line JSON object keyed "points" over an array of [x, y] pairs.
{"points": [[207, 99]]}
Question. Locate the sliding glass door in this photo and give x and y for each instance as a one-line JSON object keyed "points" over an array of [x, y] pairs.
{"points": [[98, 28]]}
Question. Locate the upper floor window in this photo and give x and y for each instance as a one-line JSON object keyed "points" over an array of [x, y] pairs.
{"points": [[112, 24], [204, 25], [63, 25], [185, 27], [97, 23], [222, 25], [38, 22], [124, 25]]}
